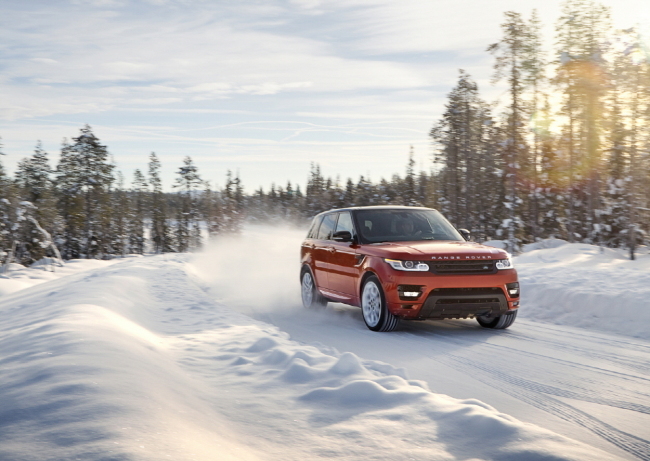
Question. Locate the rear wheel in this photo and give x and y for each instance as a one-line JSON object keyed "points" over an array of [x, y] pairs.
{"points": [[374, 309], [311, 297], [498, 323]]}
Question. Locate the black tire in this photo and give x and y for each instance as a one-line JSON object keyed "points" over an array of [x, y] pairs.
{"points": [[373, 307], [498, 323], [311, 297]]}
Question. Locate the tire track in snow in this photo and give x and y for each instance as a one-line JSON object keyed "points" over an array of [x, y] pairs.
{"points": [[632, 346], [537, 395], [541, 395]]}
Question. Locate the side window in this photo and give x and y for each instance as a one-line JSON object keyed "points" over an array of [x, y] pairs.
{"points": [[313, 230], [327, 227], [345, 222]]}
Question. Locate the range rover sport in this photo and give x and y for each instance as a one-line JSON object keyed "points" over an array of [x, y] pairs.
{"points": [[405, 263]]}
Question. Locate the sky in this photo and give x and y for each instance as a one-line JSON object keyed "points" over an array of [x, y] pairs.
{"points": [[259, 87]]}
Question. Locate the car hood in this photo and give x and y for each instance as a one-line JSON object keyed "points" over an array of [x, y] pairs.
{"points": [[434, 250]]}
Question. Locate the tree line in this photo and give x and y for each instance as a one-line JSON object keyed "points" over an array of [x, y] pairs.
{"points": [[566, 155], [83, 208]]}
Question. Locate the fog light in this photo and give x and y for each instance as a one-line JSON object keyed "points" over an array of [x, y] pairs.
{"points": [[513, 289], [409, 292]]}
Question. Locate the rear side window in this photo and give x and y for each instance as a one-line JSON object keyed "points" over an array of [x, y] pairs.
{"points": [[327, 227], [313, 230]]}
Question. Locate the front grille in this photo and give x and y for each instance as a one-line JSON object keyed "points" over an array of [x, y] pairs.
{"points": [[463, 267], [461, 303]]}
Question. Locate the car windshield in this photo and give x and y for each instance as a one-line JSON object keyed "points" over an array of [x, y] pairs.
{"points": [[403, 225]]}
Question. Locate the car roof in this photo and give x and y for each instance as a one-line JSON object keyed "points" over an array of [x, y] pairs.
{"points": [[376, 207]]}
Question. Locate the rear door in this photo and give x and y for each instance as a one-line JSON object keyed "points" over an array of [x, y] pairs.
{"points": [[322, 250]]}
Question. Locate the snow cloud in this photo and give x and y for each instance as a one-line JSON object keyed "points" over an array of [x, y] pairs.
{"points": [[229, 267]]}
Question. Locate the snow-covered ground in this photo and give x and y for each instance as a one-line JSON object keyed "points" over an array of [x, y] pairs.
{"points": [[210, 356], [18, 277], [586, 286]]}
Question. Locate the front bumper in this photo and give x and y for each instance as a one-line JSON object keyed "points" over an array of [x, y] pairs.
{"points": [[451, 297]]}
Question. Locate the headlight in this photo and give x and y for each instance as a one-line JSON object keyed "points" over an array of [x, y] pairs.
{"points": [[505, 264], [407, 265]]}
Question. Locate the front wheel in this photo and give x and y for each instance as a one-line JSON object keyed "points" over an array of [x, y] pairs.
{"points": [[311, 297], [374, 309], [498, 323]]}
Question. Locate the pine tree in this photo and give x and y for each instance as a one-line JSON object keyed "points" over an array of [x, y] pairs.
{"points": [[582, 78], [33, 179], [188, 225], [139, 192], [364, 193], [510, 55], [122, 216], [84, 179], [70, 202], [409, 195], [626, 124], [232, 199], [466, 176], [212, 210], [534, 76], [550, 197], [6, 241], [160, 230], [314, 192]]}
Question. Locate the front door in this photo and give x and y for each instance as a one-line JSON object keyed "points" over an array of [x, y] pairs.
{"points": [[343, 258]]}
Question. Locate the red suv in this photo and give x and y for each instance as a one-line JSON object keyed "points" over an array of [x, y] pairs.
{"points": [[405, 263]]}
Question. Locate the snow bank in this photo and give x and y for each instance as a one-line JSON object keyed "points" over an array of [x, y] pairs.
{"points": [[586, 286], [135, 361], [19, 277]]}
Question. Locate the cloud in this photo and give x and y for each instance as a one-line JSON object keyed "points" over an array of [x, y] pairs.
{"points": [[348, 83]]}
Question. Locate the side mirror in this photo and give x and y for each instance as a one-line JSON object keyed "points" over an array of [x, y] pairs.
{"points": [[464, 233], [342, 236]]}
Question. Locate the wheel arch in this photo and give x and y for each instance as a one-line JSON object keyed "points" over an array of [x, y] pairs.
{"points": [[366, 275], [306, 267]]}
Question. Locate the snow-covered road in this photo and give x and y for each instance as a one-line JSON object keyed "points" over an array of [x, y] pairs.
{"points": [[589, 385], [211, 356], [592, 387]]}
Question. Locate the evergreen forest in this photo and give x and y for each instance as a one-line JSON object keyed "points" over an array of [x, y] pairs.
{"points": [[564, 153]]}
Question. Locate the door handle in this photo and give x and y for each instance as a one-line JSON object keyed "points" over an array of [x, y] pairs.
{"points": [[331, 249]]}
